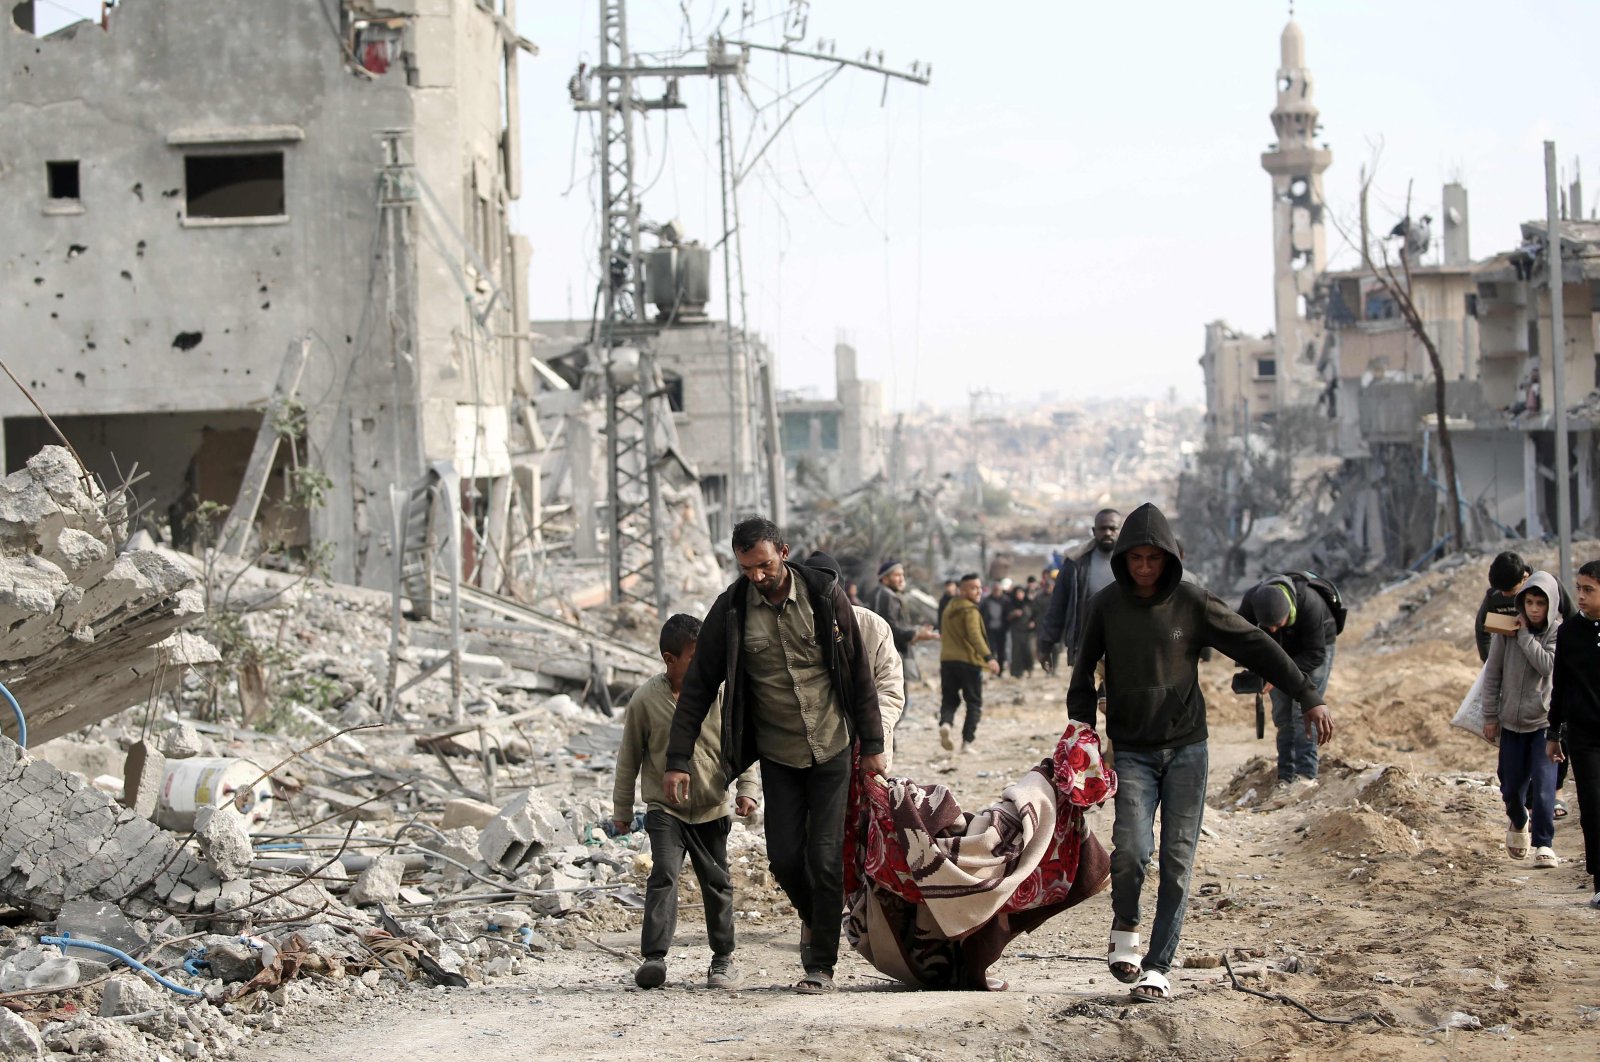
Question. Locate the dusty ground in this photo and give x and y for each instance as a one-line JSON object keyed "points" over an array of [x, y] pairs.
{"points": [[1386, 891]]}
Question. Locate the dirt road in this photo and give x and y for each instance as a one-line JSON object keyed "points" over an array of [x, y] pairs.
{"points": [[1385, 891]]}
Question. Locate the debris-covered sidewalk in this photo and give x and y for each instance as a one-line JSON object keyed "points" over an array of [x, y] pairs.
{"points": [[242, 817]]}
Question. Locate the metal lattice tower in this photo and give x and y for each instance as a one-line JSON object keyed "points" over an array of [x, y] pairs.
{"points": [[633, 389]]}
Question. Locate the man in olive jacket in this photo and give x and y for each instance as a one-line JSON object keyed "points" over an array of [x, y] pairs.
{"points": [[1150, 627], [782, 646]]}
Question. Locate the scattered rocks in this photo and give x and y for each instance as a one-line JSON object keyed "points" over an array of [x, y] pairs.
{"points": [[379, 883], [224, 841]]}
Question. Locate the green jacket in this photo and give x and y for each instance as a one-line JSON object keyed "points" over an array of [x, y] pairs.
{"points": [[961, 634]]}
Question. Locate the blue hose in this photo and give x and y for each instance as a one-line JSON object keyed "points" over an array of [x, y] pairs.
{"points": [[22, 723], [66, 939]]}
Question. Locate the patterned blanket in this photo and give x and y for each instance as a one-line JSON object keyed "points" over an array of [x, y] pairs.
{"points": [[935, 894]]}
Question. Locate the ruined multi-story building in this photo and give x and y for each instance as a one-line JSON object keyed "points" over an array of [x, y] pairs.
{"points": [[835, 446], [193, 190]]}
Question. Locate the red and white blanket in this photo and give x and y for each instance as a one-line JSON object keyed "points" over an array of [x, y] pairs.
{"points": [[935, 893]]}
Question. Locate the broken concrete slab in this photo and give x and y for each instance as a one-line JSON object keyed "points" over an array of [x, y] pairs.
{"points": [[62, 840], [231, 959], [379, 883], [142, 773], [466, 812], [126, 995], [100, 922], [524, 827], [84, 631], [224, 838]]}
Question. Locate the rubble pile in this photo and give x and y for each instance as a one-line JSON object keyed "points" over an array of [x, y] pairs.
{"points": [[85, 631], [273, 827]]}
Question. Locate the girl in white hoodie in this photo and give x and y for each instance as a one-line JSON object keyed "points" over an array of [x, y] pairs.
{"points": [[1516, 692]]}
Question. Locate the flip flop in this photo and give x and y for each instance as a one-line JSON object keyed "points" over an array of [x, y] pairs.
{"points": [[1517, 843], [1124, 951], [1561, 809], [815, 983], [1156, 982]]}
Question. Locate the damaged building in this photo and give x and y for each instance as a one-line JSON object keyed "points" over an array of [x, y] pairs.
{"points": [[204, 204]]}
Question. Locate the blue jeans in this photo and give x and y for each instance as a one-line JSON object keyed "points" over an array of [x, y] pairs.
{"points": [[1528, 784], [1297, 753], [1175, 781]]}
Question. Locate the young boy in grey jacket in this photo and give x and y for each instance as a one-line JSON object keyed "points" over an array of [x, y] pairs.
{"points": [[1516, 690], [697, 828]]}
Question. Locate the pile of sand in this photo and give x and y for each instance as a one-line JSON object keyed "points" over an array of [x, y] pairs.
{"points": [[1359, 832]]}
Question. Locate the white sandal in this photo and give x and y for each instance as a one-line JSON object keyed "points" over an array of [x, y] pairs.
{"points": [[1124, 948], [1517, 842], [1152, 979], [1545, 858]]}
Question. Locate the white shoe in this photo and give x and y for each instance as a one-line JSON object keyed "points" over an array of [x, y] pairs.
{"points": [[968, 747], [944, 738], [1545, 858]]}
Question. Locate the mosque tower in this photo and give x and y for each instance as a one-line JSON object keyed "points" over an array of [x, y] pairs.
{"points": [[1299, 243]]}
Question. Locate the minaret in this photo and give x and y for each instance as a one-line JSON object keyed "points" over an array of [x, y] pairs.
{"points": [[1299, 246]]}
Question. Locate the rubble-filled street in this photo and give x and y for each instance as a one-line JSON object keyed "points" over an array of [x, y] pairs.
{"points": [[382, 895]]}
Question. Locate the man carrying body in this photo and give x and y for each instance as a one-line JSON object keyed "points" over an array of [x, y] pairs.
{"points": [[1149, 627], [1298, 617], [782, 645]]}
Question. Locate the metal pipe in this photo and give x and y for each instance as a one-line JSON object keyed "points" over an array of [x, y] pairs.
{"points": [[1558, 372]]}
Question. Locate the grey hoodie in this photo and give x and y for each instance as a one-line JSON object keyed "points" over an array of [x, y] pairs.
{"points": [[1516, 677], [1152, 645]]}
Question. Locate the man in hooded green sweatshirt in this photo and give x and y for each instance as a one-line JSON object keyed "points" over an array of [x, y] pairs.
{"points": [[1150, 628]]}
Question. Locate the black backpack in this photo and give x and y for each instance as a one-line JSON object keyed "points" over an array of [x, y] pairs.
{"points": [[1330, 594]]}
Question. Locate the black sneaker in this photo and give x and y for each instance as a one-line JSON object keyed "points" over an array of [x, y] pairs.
{"points": [[724, 973], [652, 973]]}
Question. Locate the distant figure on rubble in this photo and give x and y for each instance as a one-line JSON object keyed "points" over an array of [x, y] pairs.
{"points": [[1575, 712], [886, 600], [993, 608], [1080, 577], [1020, 632], [1149, 626], [1301, 620], [696, 826], [887, 674], [1516, 686], [963, 656], [783, 646]]}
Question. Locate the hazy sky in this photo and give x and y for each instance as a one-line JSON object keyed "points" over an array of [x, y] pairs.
{"points": [[1079, 190]]}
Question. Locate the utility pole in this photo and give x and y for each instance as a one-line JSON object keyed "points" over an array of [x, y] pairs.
{"points": [[635, 398], [1558, 357]]}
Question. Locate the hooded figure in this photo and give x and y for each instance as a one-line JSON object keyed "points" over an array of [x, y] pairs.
{"points": [[1150, 627], [1298, 617], [1516, 688]]}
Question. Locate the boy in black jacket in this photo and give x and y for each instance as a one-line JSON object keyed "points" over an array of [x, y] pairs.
{"points": [[1575, 711], [1150, 628]]}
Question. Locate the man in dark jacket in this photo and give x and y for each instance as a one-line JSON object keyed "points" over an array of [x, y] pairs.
{"points": [[797, 687], [1149, 626], [1298, 617], [1082, 575], [885, 599]]}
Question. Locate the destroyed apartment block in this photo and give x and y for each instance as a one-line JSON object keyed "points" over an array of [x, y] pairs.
{"points": [[85, 631]]}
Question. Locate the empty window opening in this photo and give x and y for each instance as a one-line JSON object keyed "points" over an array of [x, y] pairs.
{"points": [[234, 186], [1266, 367], [62, 178]]}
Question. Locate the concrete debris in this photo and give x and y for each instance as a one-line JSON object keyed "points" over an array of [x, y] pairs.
{"points": [[379, 883], [85, 632], [37, 967], [465, 812], [142, 775], [522, 828], [224, 841], [18, 1037], [181, 742], [102, 923], [231, 959], [125, 995], [62, 840]]}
